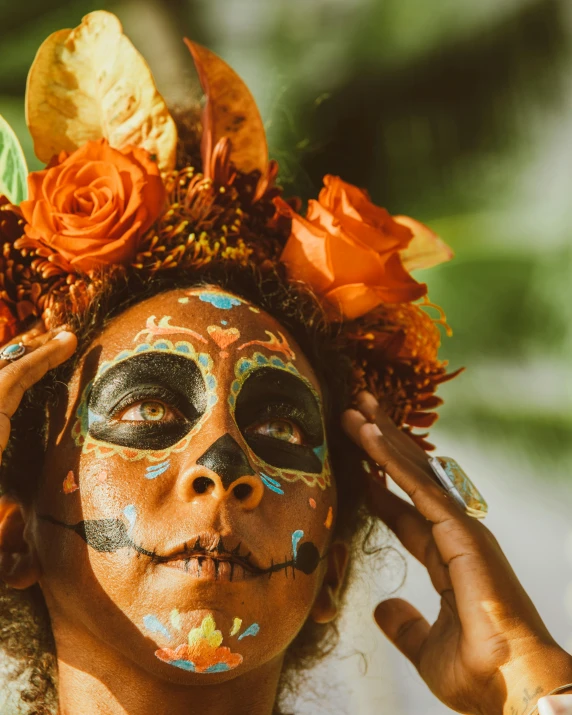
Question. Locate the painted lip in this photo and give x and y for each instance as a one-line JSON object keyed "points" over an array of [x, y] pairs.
{"points": [[212, 568], [209, 554]]}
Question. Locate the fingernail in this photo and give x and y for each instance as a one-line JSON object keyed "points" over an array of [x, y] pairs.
{"points": [[63, 335]]}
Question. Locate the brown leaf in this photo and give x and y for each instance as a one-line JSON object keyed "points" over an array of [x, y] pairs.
{"points": [[230, 111], [90, 83]]}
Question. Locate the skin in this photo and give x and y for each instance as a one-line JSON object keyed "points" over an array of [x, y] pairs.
{"points": [[488, 652]]}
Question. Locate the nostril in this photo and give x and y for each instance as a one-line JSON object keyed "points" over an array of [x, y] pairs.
{"points": [[242, 491], [202, 485]]}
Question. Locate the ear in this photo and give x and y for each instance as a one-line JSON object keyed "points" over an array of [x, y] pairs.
{"points": [[327, 603], [19, 566]]}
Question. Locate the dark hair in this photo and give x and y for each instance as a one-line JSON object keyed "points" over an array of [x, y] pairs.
{"points": [[28, 644]]}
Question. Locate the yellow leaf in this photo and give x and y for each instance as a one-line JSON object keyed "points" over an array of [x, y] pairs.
{"points": [[90, 83], [426, 249], [230, 111]]}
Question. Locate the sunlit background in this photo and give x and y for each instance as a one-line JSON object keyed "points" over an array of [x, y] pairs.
{"points": [[458, 113]]}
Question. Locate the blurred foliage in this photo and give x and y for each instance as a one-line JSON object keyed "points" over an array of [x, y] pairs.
{"points": [[455, 112]]}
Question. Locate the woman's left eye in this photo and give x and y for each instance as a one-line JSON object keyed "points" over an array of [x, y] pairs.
{"points": [[148, 411], [280, 429]]}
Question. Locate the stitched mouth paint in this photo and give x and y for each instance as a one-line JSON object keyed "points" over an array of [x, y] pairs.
{"points": [[111, 535]]}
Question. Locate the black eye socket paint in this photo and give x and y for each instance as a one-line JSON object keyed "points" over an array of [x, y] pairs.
{"points": [[173, 379], [111, 535], [270, 393]]}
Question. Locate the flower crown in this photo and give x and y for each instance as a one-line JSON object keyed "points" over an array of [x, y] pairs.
{"points": [[121, 193]]}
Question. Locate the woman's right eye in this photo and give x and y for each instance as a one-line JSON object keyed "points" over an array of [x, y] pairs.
{"points": [[148, 411]]}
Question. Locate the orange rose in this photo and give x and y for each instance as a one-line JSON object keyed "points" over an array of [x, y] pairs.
{"points": [[349, 251], [92, 206]]}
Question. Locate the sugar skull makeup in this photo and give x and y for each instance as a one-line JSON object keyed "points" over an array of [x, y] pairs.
{"points": [[206, 421]]}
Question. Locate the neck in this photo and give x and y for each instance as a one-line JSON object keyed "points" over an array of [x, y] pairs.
{"points": [[95, 681]]}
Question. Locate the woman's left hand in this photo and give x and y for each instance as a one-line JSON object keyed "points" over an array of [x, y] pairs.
{"points": [[488, 652]]}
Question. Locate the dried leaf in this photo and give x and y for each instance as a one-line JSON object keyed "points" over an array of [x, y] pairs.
{"points": [[90, 83], [13, 168], [230, 111]]}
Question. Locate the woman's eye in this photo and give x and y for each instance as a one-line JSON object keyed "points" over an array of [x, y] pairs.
{"points": [[148, 411], [280, 429]]}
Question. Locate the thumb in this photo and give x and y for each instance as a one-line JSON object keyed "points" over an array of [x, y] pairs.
{"points": [[404, 626]]}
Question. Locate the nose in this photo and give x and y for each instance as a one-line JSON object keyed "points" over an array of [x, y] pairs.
{"points": [[223, 472]]}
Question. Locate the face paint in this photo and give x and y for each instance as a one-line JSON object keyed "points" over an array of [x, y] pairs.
{"points": [[174, 374], [218, 299], [252, 630], [155, 470], [110, 535], [204, 652], [130, 514], [152, 329], [272, 484], [136, 554], [154, 625], [312, 502], [297, 536], [69, 484], [223, 337], [227, 459], [274, 344], [267, 389], [175, 619], [329, 519]]}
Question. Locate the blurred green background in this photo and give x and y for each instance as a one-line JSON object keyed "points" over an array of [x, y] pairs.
{"points": [[456, 112]]}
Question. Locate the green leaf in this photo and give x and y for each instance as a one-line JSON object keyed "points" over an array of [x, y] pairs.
{"points": [[13, 169]]}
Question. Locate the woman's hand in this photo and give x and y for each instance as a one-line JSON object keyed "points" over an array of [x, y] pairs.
{"points": [[44, 351], [488, 652]]}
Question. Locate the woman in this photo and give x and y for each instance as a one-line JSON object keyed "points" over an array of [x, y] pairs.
{"points": [[178, 491]]}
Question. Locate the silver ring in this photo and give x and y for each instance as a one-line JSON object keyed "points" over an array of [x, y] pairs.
{"points": [[13, 352], [459, 487]]}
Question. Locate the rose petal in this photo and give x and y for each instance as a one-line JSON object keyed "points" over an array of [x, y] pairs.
{"points": [[426, 248]]}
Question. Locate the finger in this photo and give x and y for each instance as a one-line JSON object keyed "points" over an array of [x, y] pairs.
{"points": [[352, 422], [31, 340], [373, 412], [38, 328], [429, 498], [20, 375], [413, 531], [405, 627]]}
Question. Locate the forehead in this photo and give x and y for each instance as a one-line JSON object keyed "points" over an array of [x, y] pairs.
{"points": [[214, 320]]}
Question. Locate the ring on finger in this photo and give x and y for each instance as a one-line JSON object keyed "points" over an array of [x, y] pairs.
{"points": [[459, 486], [13, 352]]}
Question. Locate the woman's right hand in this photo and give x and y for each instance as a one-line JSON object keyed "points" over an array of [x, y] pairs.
{"points": [[44, 350]]}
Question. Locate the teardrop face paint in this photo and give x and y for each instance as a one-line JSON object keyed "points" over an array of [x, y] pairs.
{"points": [[217, 503]]}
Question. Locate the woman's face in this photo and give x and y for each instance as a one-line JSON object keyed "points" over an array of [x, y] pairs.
{"points": [[187, 503]]}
